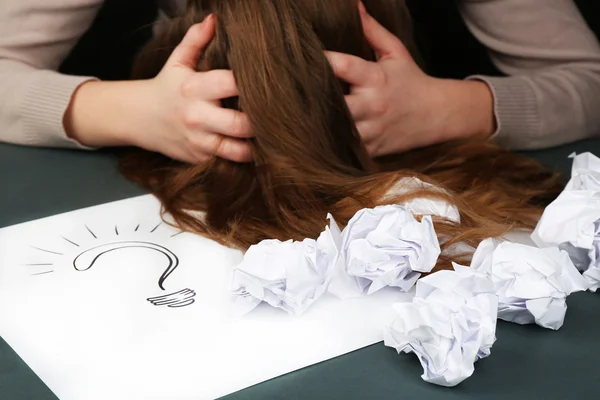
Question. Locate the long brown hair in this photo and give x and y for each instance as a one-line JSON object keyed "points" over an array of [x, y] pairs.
{"points": [[308, 156]]}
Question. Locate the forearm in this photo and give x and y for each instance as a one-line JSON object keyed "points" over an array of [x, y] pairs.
{"points": [[103, 114], [464, 110]]}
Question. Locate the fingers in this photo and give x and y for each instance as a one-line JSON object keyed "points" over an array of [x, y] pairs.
{"points": [[196, 39], [215, 131], [369, 131], [211, 85], [367, 105], [381, 40], [227, 122], [213, 144], [358, 107], [231, 149], [353, 70]]}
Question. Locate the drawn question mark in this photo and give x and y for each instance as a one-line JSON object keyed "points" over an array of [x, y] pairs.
{"points": [[181, 298]]}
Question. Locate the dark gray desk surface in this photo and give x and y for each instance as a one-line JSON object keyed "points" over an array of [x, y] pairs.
{"points": [[526, 362]]}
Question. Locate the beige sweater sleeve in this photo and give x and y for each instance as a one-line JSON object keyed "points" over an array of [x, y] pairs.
{"points": [[552, 93], [35, 37]]}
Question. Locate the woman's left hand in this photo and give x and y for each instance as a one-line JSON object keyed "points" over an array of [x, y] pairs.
{"points": [[397, 107]]}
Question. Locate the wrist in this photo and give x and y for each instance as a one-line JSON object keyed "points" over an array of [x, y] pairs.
{"points": [[466, 110], [104, 114]]}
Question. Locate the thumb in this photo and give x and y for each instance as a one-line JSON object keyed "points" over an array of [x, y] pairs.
{"points": [[381, 40], [192, 45]]}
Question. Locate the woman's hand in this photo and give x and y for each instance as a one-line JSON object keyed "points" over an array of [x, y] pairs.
{"points": [[193, 126], [398, 107], [177, 113]]}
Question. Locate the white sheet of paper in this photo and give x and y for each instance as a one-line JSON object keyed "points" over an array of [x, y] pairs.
{"points": [[81, 302]]}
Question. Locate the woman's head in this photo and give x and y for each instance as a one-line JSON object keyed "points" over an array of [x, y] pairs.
{"points": [[308, 159]]}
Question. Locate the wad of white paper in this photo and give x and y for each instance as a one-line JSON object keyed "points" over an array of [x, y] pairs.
{"points": [[449, 325], [532, 284], [585, 172], [384, 246], [288, 275], [572, 221]]}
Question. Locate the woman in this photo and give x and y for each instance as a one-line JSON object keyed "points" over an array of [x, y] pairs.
{"points": [[308, 158], [550, 99]]}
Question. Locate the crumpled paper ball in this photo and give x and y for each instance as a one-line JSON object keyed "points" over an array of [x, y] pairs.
{"points": [[449, 325], [585, 172], [572, 221], [288, 275], [385, 246], [532, 284]]}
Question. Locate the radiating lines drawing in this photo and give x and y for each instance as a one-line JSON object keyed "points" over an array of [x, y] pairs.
{"points": [[88, 257]]}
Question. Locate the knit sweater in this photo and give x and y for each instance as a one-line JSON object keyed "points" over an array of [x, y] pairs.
{"points": [[551, 95]]}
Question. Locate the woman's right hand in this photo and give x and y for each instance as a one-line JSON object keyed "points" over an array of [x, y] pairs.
{"points": [[177, 113]]}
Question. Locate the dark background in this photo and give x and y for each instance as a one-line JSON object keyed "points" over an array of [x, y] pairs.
{"points": [[448, 48]]}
